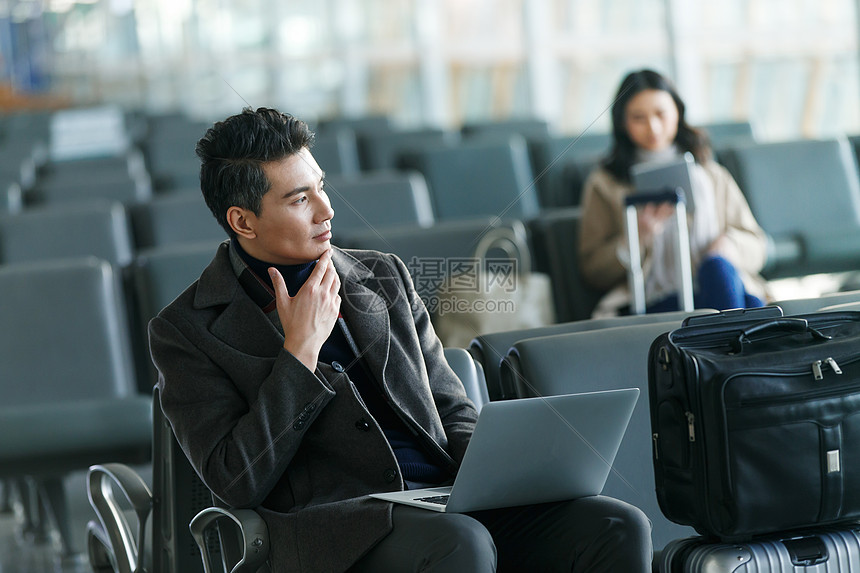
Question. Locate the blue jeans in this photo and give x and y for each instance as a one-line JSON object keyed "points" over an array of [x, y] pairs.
{"points": [[718, 286]]}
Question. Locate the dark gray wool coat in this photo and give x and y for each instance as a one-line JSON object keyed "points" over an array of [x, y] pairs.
{"points": [[265, 432]]}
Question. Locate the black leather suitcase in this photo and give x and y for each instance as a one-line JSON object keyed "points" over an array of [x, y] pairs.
{"points": [[756, 421]]}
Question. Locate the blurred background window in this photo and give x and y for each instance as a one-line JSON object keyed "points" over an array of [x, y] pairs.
{"points": [[788, 66]]}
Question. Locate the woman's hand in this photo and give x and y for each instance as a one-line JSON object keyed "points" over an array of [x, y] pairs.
{"points": [[652, 218]]}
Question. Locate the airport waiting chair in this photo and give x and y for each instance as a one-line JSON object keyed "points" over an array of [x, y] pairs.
{"points": [[88, 187], [122, 178], [470, 373], [169, 149], [173, 219], [70, 398], [98, 228], [127, 165], [562, 163], [158, 276], [604, 359], [429, 252], [16, 166], [576, 173], [489, 350], [382, 150], [495, 128], [845, 306], [478, 177], [855, 143], [369, 200], [360, 125], [814, 304], [806, 195], [88, 132], [11, 196], [554, 242], [727, 133], [183, 511], [336, 152], [23, 156], [116, 543]]}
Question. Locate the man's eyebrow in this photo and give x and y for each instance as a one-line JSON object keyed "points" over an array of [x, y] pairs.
{"points": [[303, 188]]}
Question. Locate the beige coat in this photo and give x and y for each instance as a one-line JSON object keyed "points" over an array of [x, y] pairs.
{"points": [[602, 235]]}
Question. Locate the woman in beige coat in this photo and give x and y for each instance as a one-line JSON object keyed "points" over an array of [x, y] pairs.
{"points": [[727, 246]]}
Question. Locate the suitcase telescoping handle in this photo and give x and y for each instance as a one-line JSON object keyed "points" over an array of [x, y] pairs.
{"points": [[636, 278], [777, 325]]}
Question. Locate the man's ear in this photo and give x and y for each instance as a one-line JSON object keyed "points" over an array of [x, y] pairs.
{"points": [[242, 222]]}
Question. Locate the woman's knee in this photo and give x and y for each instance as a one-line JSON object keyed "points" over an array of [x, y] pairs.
{"points": [[716, 268]]}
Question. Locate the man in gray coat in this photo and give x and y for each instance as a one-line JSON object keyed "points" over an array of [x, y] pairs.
{"points": [[299, 378]]}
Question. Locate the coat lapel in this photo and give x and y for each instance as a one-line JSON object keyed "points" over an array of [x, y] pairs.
{"points": [[364, 310], [241, 325]]}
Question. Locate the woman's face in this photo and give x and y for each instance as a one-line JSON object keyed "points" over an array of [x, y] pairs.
{"points": [[651, 119]]}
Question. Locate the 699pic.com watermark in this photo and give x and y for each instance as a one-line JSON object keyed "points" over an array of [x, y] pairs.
{"points": [[465, 285]]}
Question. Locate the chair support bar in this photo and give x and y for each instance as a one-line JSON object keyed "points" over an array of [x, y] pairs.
{"points": [[116, 531], [253, 531]]}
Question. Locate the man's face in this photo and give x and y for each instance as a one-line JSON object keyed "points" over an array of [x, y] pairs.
{"points": [[294, 225]]}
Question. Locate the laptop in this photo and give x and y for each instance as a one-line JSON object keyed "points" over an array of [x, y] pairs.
{"points": [[661, 175], [533, 450]]}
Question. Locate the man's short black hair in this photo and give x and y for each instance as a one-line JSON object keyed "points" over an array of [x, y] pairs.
{"points": [[232, 154]]}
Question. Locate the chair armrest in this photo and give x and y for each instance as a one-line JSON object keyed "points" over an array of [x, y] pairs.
{"points": [[253, 532], [116, 535], [511, 379], [471, 374]]}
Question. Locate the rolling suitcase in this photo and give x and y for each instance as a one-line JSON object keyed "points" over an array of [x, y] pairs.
{"points": [[636, 277], [755, 421], [819, 551]]}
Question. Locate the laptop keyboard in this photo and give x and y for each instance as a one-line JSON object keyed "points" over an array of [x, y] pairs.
{"points": [[440, 499]]}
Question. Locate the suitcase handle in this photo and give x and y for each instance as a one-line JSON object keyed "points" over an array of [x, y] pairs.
{"points": [[666, 195], [784, 325]]}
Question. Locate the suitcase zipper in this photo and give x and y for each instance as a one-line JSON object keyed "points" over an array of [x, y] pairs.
{"points": [[691, 427], [818, 373], [816, 370], [691, 434]]}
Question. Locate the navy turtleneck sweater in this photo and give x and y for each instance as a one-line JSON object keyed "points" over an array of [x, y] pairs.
{"points": [[415, 465]]}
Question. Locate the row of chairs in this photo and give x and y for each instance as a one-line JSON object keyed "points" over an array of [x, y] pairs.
{"points": [[806, 194], [347, 147], [156, 230], [505, 169], [369, 205], [115, 231], [70, 395]]}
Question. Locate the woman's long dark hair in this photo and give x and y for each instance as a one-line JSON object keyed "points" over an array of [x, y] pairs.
{"points": [[623, 152]]}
